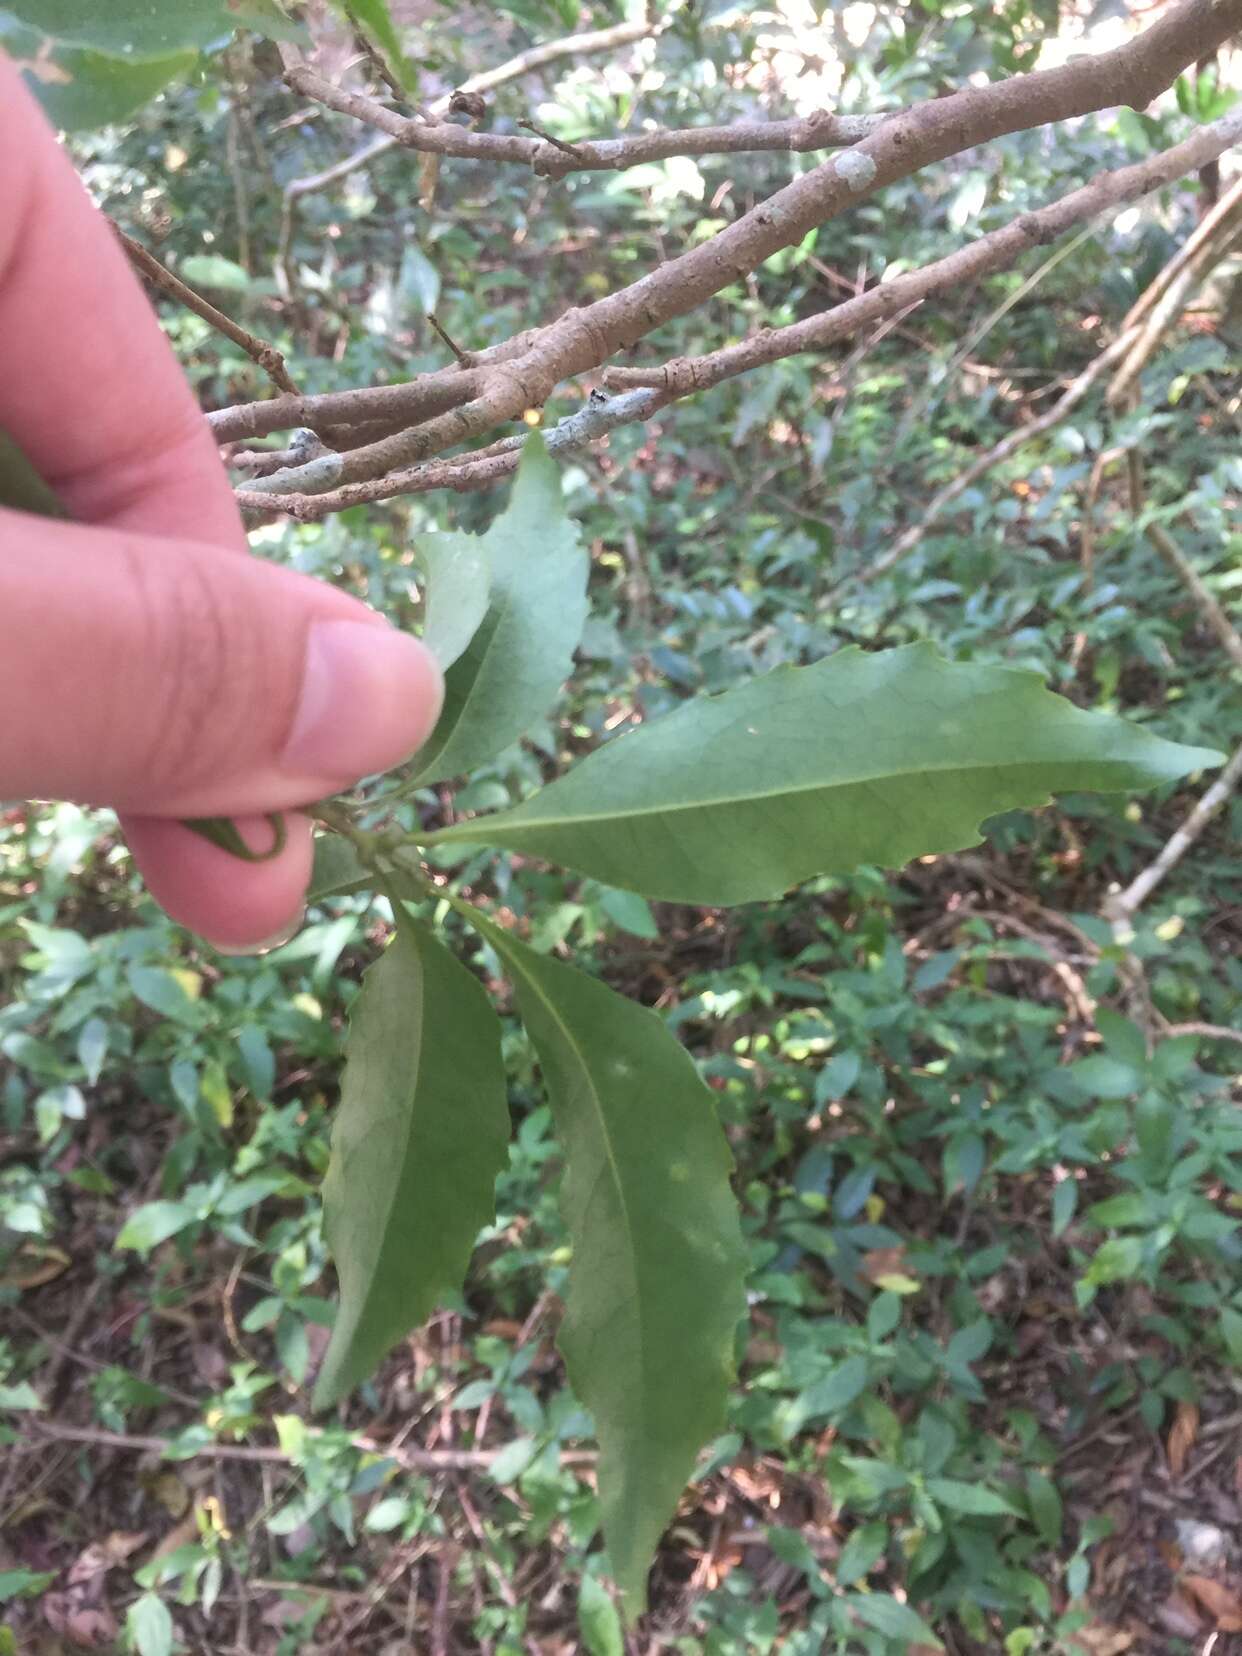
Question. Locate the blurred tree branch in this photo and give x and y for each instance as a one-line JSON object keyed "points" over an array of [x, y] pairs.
{"points": [[550, 158], [685, 376], [587, 44], [459, 405]]}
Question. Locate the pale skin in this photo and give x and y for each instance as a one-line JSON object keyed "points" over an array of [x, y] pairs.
{"points": [[147, 662]]}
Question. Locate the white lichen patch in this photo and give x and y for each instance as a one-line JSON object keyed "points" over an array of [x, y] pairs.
{"points": [[855, 168]]}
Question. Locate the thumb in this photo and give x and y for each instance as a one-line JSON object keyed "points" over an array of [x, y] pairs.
{"points": [[163, 678]]}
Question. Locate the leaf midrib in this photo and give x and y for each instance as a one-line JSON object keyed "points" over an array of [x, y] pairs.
{"points": [[460, 830]]}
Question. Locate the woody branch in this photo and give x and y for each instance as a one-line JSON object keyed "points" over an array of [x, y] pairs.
{"points": [[459, 405]]}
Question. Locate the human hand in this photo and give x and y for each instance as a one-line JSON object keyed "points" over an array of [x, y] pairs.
{"points": [[146, 661]]}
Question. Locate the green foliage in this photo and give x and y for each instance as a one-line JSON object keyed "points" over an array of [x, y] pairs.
{"points": [[503, 679], [149, 1627], [655, 1288], [376, 20], [598, 1621], [416, 1146], [860, 758], [91, 65], [459, 584], [946, 1170]]}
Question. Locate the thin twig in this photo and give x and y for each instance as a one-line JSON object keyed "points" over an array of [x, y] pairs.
{"points": [[686, 375], [376, 58], [1206, 604], [1206, 1031], [535, 57], [464, 359], [1102, 461], [415, 1460], [267, 356], [462, 473], [445, 1561], [1121, 907], [1065, 405], [551, 157], [1162, 302], [391, 405], [571, 150], [583, 339]]}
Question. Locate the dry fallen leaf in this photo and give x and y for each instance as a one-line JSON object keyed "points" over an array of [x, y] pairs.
{"points": [[1178, 1616], [180, 1535], [1218, 1600], [35, 1266], [102, 1556], [1182, 1435], [88, 1626], [168, 1489], [1098, 1640], [1171, 1553], [886, 1268]]}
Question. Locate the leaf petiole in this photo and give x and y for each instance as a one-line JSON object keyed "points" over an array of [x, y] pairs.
{"points": [[222, 831]]}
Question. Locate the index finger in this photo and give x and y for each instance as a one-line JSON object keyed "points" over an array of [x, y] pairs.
{"points": [[91, 390]]}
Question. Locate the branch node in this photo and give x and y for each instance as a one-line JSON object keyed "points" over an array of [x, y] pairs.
{"points": [[464, 359]]}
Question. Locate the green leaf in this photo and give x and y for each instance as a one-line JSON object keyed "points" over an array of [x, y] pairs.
{"points": [[388, 1514], [871, 758], [213, 270], [1114, 1261], [835, 1393], [418, 280], [420, 1135], [887, 1615], [20, 484], [154, 1223], [655, 1285], [629, 911], [223, 832], [337, 870], [1045, 1505], [1130, 1208], [598, 1621], [864, 1549], [92, 1048], [969, 1343], [91, 64], [256, 1056], [82, 90], [1231, 1333], [373, 17], [459, 580], [24, 1584], [883, 1315], [161, 991], [1064, 1203], [31, 1053], [522, 652], [1124, 1039], [145, 29], [969, 1498], [149, 1625], [1102, 1077], [510, 1462], [21, 1395], [1155, 1122]]}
